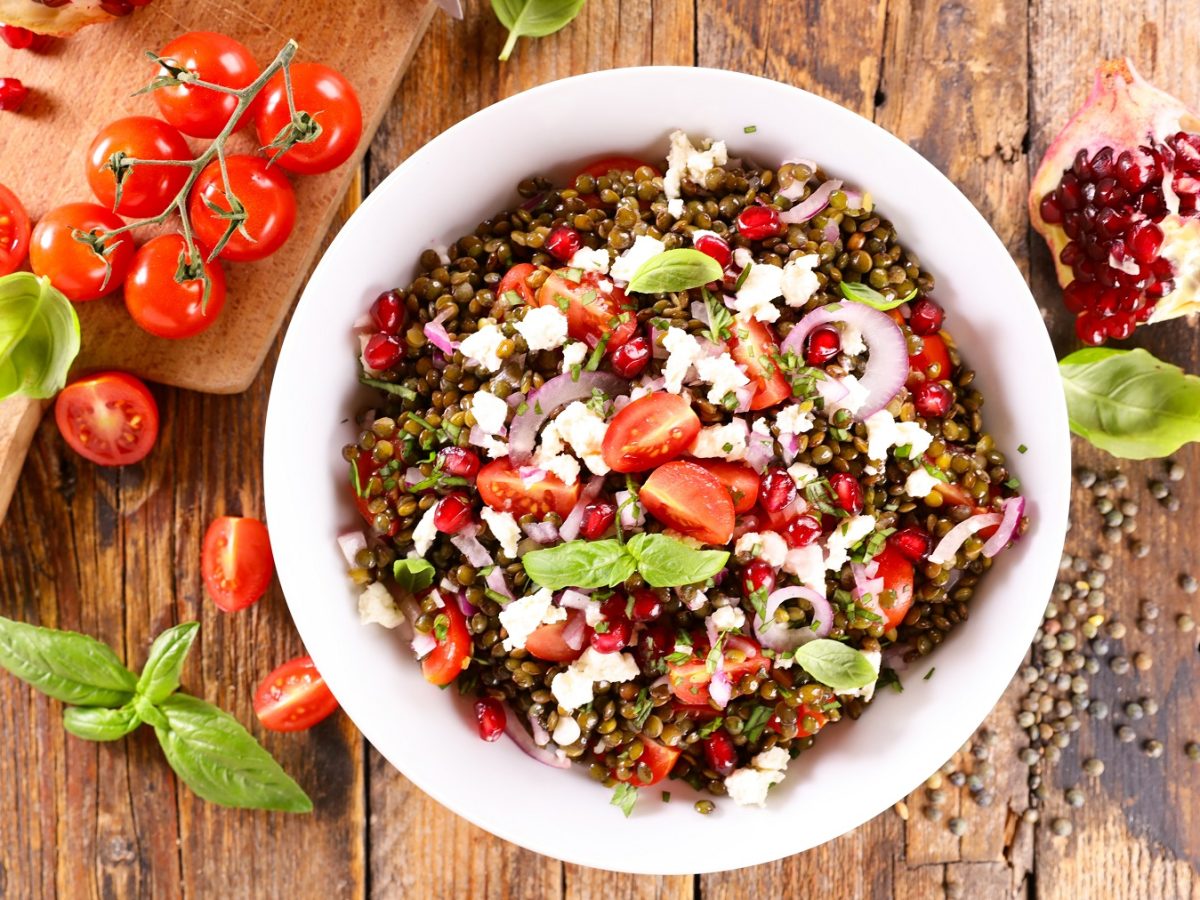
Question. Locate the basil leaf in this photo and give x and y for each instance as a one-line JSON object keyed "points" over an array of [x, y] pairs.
{"points": [[835, 665], [581, 564], [624, 797], [221, 761], [1130, 404], [65, 665], [533, 18], [39, 336], [665, 561], [413, 574], [160, 676], [675, 270], [98, 724], [864, 293]]}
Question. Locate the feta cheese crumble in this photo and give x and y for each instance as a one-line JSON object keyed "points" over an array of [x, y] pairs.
{"points": [[591, 260], [794, 419], [722, 373], [644, 249], [802, 474], [683, 350], [566, 732], [684, 159], [808, 565], [572, 688], [727, 618], [748, 786], [544, 328], [522, 617], [856, 395], [844, 538], [489, 411], [920, 483], [799, 281], [883, 431], [573, 355], [480, 347], [584, 430], [424, 533], [767, 546], [504, 529], [762, 284], [376, 606], [852, 340], [721, 441]]}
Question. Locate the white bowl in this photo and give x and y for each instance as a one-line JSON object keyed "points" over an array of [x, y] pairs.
{"points": [[856, 769]]}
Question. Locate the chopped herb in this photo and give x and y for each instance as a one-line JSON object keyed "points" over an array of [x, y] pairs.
{"points": [[573, 275], [398, 389], [708, 729], [719, 318], [468, 680], [666, 795], [576, 369], [845, 436], [756, 721], [642, 709], [593, 362], [741, 279], [601, 627], [889, 678], [451, 429], [355, 480], [422, 422], [537, 407], [750, 129], [624, 797], [1021, 448], [589, 297], [496, 596], [441, 626], [929, 674], [1013, 483], [935, 472], [678, 658], [512, 297], [562, 302]]}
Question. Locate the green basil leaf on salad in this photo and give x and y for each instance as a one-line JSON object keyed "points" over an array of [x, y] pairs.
{"points": [[675, 270], [533, 18], [835, 664], [65, 665], [99, 724], [665, 561], [864, 293], [413, 575], [581, 564], [160, 676], [39, 336], [1129, 403]]}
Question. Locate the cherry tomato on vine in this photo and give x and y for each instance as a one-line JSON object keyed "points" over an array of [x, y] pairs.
{"points": [[14, 231], [329, 99], [163, 306], [145, 190], [109, 418], [237, 564], [217, 59], [294, 697], [72, 266], [267, 196]]}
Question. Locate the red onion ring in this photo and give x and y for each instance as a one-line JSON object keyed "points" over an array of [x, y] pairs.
{"points": [[1014, 508], [887, 367], [570, 526], [782, 638], [948, 546], [555, 393], [524, 740], [810, 205]]}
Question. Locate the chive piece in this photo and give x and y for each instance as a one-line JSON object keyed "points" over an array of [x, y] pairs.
{"points": [[1021, 448], [750, 129], [929, 674]]}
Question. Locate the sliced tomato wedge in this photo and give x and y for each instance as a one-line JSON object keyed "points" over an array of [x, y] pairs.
{"points": [[237, 564], [502, 488], [753, 346], [293, 697], [14, 232], [741, 481], [597, 310], [897, 575], [690, 680], [453, 651], [650, 431], [515, 282], [691, 500], [933, 362], [546, 641], [658, 757]]}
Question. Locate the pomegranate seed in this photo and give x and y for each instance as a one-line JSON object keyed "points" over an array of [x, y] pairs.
{"points": [[1120, 325], [1070, 193], [777, 490], [647, 605], [1050, 210], [720, 753], [491, 716], [715, 246], [1080, 295], [1080, 167], [12, 94], [801, 531], [926, 317], [614, 637], [382, 351], [913, 543], [822, 345], [1102, 163], [597, 519], [656, 641], [1091, 328], [632, 357], [757, 223], [848, 490], [932, 399], [459, 462], [387, 312], [1144, 241], [758, 576], [453, 513], [562, 243], [23, 39]]}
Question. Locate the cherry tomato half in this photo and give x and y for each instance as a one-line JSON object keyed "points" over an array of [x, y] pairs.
{"points": [[72, 266], [514, 281], [593, 314], [270, 207], [690, 680], [691, 500], [546, 641], [753, 346], [237, 564], [328, 98], [897, 575], [502, 488], [294, 697], [649, 431], [658, 758], [933, 361], [741, 481], [145, 190], [453, 651], [109, 418], [14, 232], [163, 306], [217, 59]]}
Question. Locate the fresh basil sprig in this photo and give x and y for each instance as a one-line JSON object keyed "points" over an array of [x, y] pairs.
{"points": [[1129, 403], [533, 18], [663, 561], [680, 269], [835, 665], [413, 574], [864, 293], [39, 336], [208, 749]]}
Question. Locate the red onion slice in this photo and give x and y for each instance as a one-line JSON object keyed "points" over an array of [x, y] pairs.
{"points": [[810, 205], [573, 599], [423, 644], [948, 546], [570, 526], [831, 232], [476, 554], [632, 514], [524, 740], [782, 638], [720, 689], [832, 390], [556, 393], [541, 736], [887, 366], [1014, 508], [465, 606], [350, 543], [437, 335], [496, 581], [542, 532], [574, 631]]}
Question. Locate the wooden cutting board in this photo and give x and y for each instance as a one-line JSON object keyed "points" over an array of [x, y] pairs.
{"points": [[83, 82]]}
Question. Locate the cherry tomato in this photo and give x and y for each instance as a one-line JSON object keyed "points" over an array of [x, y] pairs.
{"points": [[514, 281], [741, 481], [109, 418], [368, 467], [659, 758], [649, 431], [690, 680], [294, 697], [933, 361], [691, 500], [502, 488], [453, 651], [593, 314], [14, 231], [145, 190], [217, 59], [897, 575], [237, 564], [270, 207], [71, 265], [754, 347], [806, 717], [546, 641], [161, 305], [325, 95]]}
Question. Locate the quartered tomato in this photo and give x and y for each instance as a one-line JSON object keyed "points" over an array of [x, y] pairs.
{"points": [[897, 575], [514, 282], [294, 697], [145, 190], [326, 96], [739, 480], [650, 431], [659, 758], [804, 712], [217, 59], [109, 418], [502, 488], [71, 265], [453, 651], [691, 500], [690, 680], [546, 641], [593, 314], [933, 361], [753, 346], [14, 232], [237, 564]]}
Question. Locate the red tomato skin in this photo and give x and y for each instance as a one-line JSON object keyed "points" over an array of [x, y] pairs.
{"points": [[294, 697], [604, 165], [83, 406], [216, 58], [502, 489], [514, 280], [70, 265], [591, 312], [933, 362], [741, 481], [147, 190], [753, 346], [237, 563], [161, 306], [897, 575], [270, 207], [546, 641], [447, 661], [691, 500], [690, 680], [327, 96], [650, 431], [14, 232], [659, 757]]}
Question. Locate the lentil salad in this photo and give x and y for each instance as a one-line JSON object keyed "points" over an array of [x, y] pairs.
{"points": [[669, 470]]}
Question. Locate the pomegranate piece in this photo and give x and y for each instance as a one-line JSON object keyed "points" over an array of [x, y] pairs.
{"points": [[453, 513], [597, 519], [757, 223], [631, 358], [822, 346], [715, 246], [23, 39], [719, 753], [849, 492], [387, 312], [932, 399], [459, 462], [382, 351], [801, 531], [12, 94], [562, 243], [914, 543], [926, 317], [490, 714], [647, 605], [777, 491], [758, 576], [1116, 200]]}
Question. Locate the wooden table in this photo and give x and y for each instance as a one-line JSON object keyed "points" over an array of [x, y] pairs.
{"points": [[979, 88]]}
